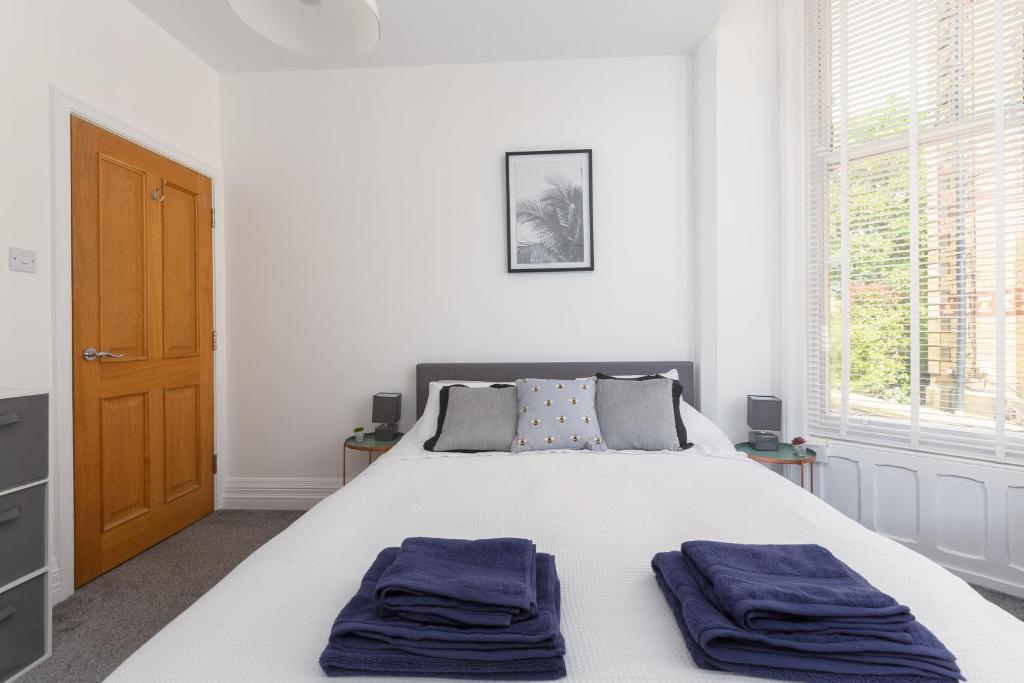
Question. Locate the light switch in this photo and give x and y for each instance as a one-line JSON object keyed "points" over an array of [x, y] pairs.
{"points": [[22, 259]]}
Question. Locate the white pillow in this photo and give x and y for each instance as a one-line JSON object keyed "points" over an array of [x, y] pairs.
{"points": [[670, 374], [702, 431]]}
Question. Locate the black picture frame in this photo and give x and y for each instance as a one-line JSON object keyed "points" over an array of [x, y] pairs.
{"points": [[558, 241]]}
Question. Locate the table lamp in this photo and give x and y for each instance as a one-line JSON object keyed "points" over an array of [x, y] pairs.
{"points": [[387, 409], [764, 413]]}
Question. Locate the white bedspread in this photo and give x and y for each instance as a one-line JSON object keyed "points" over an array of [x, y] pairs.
{"points": [[603, 516]]}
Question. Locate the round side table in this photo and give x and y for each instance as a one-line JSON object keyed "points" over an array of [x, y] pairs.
{"points": [[370, 445], [785, 455]]}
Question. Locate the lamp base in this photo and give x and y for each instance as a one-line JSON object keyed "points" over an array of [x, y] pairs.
{"points": [[385, 432], [764, 441]]}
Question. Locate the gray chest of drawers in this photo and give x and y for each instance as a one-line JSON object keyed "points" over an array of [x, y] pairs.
{"points": [[24, 575]]}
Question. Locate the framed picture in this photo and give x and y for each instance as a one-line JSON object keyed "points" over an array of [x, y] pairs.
{"points": [[550, 211]]}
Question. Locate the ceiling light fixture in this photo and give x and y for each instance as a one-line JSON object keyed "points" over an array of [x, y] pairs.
{"points": [[314, 27]]}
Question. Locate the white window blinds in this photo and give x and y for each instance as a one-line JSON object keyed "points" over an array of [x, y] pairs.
{"points": [[916, 223]]}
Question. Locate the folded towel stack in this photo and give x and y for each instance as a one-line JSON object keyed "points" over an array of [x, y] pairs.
{"points": [[469, 583], [487, 609], [794, 612]]}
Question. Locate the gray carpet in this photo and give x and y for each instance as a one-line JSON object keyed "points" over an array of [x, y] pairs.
{"points": [[1014, 606], [105, 621]]}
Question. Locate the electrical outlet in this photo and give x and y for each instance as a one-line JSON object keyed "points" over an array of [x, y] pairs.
{"points": [[22, 259]]}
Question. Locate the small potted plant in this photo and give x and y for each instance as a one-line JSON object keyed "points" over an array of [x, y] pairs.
{"points": [[359, 433], [799, 446]]}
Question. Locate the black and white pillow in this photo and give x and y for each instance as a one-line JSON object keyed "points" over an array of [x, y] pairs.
{"points": [[475, 419], [641, 413]]}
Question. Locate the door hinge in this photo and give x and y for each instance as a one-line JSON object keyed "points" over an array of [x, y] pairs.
{"points": [[215, 340], [213, 218], [215, 463]]}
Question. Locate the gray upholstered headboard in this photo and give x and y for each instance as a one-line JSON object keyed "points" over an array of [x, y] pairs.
{"points": [[509, 372]]}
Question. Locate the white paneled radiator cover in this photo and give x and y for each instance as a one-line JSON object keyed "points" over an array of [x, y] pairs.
{"points": [[967, 516]]}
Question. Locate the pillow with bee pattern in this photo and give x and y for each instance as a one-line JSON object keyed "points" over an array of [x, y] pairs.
{"points": [[557, 414]]}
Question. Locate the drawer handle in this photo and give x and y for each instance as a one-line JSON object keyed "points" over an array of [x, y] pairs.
{"points": [[9, 419], [7, 612], [10, 515]]}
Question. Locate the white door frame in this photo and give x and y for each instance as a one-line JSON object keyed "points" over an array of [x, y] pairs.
{"points": [[62, 477]]}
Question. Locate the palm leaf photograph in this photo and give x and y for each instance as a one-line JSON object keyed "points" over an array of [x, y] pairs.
{"points": [[550, 222]]}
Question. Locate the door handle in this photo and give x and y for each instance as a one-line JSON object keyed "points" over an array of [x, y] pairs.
{"points": [[92, 354], [7, 611], [9, 419]]}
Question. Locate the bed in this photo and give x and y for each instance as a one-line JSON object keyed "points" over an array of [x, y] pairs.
{"points": [[603, 515]]}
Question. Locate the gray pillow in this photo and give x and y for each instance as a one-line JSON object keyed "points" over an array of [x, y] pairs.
{"points": [[557, 413], [473, 420], [637, 415]]}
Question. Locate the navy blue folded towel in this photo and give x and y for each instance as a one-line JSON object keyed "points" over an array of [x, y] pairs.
{"points": [[792, 588], [366, 642], [717, 642], [489, 582]]}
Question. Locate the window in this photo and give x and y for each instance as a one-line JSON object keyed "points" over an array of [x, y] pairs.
{"points": [[916, 223]]}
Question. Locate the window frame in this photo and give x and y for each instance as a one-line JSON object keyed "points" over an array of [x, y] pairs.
{"points": [[827, 152]]}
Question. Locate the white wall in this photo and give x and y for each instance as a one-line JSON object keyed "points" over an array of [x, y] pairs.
{"points": [[967, 516], [107, 55], [368, 234], [110, 55], [739, 230]]}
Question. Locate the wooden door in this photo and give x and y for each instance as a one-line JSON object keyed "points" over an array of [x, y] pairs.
{"points": [[142, 289]]}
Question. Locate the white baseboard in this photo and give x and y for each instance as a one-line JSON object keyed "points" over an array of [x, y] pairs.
{"points": [[57, 585], [996, 584], [286, 493]]}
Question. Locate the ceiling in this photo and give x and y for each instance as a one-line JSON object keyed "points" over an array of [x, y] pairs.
{"points": [[455, 31]]}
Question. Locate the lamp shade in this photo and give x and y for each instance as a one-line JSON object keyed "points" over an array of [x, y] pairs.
{"points": [[314, 27], [764, 412], [387, 408]]}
